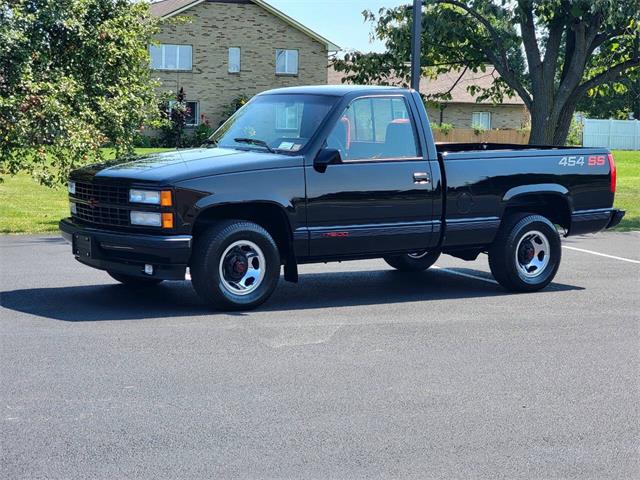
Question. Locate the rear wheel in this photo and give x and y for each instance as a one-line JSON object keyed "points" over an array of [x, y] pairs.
{"points": [[133, 280], [235, 265], [413, 262], [526, 254]]}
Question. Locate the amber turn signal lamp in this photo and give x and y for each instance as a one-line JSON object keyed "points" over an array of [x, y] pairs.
{"points": [[167, 220], [166, 199]]}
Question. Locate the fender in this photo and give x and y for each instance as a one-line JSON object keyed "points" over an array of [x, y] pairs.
{"points": [[280, 187], [239, 198], [538, 189], [553, 188]]}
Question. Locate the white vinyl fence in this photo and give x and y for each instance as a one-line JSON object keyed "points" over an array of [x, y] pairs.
{"points": [[614, 134]]}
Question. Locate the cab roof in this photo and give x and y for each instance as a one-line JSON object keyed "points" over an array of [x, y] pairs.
{"points": [[333, 90]]}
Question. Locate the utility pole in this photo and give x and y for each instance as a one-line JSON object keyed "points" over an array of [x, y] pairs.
{"points": [[415, 45]]}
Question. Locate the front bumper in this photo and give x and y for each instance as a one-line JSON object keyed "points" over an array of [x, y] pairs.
{"points": [[129, 253]]}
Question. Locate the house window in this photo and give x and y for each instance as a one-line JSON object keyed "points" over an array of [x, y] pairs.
{"points": [[193, 112], [481, 120], [234, 60], [287, 62], [171, 57], [288, 116], [399, 108]]}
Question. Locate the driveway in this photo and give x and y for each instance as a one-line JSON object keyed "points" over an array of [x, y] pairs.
{"points": [[356, 372]]}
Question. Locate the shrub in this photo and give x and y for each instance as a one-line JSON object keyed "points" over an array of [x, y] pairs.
{"points": [[575, 132], [202, 131], [141, 141], [478, 129], [444, 128], [173, 134], [235, 105]]}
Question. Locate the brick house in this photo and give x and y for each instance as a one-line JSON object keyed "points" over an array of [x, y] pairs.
{"points": [[230, 48], [463, 110]]}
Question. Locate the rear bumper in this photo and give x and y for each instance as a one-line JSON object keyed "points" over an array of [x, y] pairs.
{"points": [[592, 221], [616, 218], [128, 254]]}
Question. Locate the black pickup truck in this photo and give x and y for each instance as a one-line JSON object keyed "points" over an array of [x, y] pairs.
{"points": [[329, 173]]}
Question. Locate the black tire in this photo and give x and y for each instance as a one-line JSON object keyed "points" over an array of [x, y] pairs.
{"points": [[206, 265], [515, 246], [134, 281], [412, 262]]}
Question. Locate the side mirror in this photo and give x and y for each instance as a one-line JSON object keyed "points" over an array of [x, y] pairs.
{"points": [[326, 157]]}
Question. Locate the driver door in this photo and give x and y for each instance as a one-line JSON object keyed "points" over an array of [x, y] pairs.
{"points": [[379, 199]]}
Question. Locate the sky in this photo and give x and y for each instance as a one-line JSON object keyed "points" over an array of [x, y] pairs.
{"points": [[339, 21]]}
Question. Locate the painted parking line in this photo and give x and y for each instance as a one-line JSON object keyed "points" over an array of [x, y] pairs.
{"points": [[466, 275], [601, 254]]}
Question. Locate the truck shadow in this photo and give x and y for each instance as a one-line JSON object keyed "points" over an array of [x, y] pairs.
{"points": [[90, 303]]}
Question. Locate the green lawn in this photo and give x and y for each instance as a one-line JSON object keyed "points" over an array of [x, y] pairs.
{"points": [[26, 207], [628, 191]]}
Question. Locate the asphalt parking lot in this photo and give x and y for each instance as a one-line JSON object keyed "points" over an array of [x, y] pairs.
{"points": [[357, 372]]}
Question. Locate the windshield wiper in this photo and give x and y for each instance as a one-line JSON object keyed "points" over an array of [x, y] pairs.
{"points": [[209, 141], [254, 141]]}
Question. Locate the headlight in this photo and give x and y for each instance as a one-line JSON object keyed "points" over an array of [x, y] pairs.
{"points": [[144, 196], [151, 197], [73, 208], [72, 188], [146, 219]]}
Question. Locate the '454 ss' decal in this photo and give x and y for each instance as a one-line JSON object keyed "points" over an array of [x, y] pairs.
{"points": [[592, 161]]}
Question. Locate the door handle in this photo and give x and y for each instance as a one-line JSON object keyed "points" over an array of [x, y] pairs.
{"points": [[421, 178]]}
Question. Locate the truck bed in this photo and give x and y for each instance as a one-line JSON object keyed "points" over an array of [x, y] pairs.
{"points": [[442, 147], [482, 178]]}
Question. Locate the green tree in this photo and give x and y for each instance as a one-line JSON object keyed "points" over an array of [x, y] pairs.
{"points": [[74, 75], [617, 100], [549, 52]]}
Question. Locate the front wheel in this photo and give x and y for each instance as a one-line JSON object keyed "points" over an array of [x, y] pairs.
{"points": [[412, 262], [526, 253], [235, 265]]}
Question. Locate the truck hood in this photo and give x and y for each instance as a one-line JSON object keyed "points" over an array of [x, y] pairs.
{"points": [[185, 164]]}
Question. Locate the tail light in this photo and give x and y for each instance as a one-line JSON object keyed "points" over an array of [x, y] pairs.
{"points": [[612, 167]]}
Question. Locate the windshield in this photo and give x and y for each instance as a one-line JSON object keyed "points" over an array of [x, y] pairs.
{"points": [[283, 123]]}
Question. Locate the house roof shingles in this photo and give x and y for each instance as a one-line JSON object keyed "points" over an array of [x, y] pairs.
{"points": [[443, 82], [166, 7]]}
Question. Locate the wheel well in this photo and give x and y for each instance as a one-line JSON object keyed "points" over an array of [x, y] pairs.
{"points": [[269, 216], [552, 206]]}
